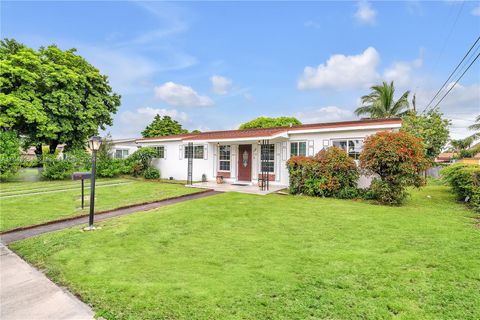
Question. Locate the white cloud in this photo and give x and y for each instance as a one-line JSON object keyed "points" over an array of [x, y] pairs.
{"points": [[324, 114], [476, 11], [134, 122], [340, 71], [461, 106], [221, 85], [179, 95], [365, 14], [401, 72]]}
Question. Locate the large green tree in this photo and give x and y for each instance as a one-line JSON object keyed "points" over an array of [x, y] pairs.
{"points": [[266, 122], [431, 127], [51, 96], [163, 126], [380, 102]]}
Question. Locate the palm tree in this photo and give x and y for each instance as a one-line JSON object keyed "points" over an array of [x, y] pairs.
{"points": [[380, 103], [476, 127]]}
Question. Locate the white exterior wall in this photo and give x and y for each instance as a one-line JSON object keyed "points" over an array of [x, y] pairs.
{"points": [[175, 165], [324, 139], [130, 146]]}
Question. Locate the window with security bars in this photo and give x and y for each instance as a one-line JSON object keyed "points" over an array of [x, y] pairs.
{"points": [[267, 157], [298, 148], [224, 158], [352, 146], [160, 152], [197, 152]]}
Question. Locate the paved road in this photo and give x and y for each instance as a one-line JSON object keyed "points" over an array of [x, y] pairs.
{"points": [[26, 293]]}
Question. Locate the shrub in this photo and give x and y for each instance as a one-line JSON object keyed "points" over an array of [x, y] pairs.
{"points": [[29, 163], [56, 169], [80, 159], [9, 154], [330, 173], [141, 160], [397, 158], [108, 167], [464, 180], [151, 173]]}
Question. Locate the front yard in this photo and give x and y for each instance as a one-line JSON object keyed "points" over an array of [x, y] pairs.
{"points": [[28, 203], [240, 256]]}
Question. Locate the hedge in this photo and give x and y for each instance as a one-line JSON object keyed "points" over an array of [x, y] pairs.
{"points": [[464, 180], [330, 173]]}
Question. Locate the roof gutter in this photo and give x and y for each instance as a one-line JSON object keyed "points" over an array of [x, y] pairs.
{"points": [[279, 135]]}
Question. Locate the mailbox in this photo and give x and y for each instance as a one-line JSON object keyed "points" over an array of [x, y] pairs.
{"points": [[81, 175]]}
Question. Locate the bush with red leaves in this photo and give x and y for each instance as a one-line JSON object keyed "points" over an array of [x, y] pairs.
{"points": [[397, 158]]}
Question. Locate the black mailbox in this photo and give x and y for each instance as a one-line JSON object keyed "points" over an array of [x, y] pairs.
{"points": [[81, 175]]}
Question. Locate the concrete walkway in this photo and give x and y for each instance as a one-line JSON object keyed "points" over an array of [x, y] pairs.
{"points": [[26, 293]]}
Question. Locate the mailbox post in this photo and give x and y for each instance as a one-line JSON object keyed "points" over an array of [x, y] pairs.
{"points": [[82, 176]]}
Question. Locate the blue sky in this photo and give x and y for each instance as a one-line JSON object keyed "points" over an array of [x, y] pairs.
{"points": [[214, 65]]}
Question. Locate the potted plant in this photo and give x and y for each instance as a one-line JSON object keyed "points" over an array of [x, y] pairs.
{"points": [[260, 183], [219, 179]]}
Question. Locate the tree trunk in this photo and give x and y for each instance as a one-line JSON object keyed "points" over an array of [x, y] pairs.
{"points": [[39, 155], [52, 147]]}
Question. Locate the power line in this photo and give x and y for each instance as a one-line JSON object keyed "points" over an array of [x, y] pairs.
{"points": [[450, 33], [457, 80], [451, 74]]}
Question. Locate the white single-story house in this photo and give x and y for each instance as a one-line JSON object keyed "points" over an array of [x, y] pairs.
{"points": [[236, 154]]}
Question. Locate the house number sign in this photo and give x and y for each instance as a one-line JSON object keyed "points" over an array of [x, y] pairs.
{"points": [[245, 158]]}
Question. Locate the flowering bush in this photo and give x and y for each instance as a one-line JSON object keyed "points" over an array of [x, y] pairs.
{"points": [[330, 173], [397, 158], [141, 160], [465, 182]]}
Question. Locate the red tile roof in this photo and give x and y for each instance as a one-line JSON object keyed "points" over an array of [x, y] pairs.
{"points": [[269, 132]]}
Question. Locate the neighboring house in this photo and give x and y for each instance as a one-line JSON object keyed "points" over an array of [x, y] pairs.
{"points": [[446, 157], [236, 154], [122, 148], [29, 154]]}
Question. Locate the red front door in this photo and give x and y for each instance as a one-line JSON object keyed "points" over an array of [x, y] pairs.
{"points": [[245, 162]]}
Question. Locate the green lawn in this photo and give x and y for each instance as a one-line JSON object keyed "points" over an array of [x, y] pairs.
{"points": [[28, 203], [238, 256]]}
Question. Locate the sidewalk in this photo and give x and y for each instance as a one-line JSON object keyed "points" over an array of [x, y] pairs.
{"points": [[26, 293]]}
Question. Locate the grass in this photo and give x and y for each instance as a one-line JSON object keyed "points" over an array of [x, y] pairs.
{"points": [[238, 256], [23, 203]]}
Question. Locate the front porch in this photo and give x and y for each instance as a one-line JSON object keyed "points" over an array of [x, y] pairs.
{"points": [[237, 187]]}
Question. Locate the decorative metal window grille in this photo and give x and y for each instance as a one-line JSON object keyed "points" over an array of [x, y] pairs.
{"points": [[189, 156], [197, 151], [224, 158], [298, 148], [352, 146], [267, 157]]}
